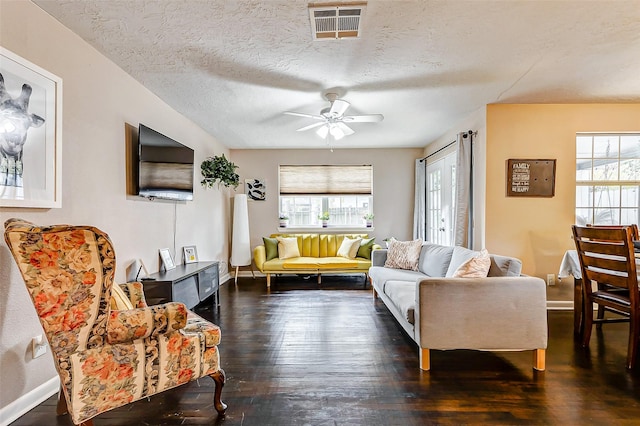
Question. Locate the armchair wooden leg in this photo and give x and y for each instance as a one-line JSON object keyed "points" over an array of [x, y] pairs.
{"points": [[219, 377], [425, 361], [61, 407], [539, 360], [268, 280]]}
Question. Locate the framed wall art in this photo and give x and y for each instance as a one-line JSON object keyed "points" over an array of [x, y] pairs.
{"points": [[30, 134], [531, 178], [256, 189]]}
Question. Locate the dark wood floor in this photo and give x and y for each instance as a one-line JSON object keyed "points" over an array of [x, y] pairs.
{"points": [[304, 355]]}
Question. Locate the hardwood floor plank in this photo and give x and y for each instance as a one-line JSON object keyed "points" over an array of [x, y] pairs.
{"points": [[303, 354]]}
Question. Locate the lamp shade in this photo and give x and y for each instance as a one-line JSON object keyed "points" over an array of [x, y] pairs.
{"points": [[240, 241]]}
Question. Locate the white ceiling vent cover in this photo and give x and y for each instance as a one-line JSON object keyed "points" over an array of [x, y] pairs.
{"points": [[336, 20]]}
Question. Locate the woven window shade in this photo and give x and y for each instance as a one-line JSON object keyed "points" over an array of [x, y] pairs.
{"points": [[326, 180]]}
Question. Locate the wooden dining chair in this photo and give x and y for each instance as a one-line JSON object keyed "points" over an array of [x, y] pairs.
{"points": [[607, 259]]}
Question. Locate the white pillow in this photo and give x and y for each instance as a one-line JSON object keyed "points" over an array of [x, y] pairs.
{"points": [[476, 267], [403, 254], [288, 247], [349, 248]]}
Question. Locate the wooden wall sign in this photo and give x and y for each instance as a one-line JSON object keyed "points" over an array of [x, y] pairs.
{"points": [[531, 178]]}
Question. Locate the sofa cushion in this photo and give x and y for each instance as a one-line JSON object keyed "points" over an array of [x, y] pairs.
{"points": [[270, 247], [403, 297], [504, 266], [380, 275], [458, 257], [288, 247], [349, 248], [476, 267], [404, 254], [434, 259], [366, 246]]}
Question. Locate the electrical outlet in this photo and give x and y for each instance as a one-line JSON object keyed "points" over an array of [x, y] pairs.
{"points": [[38, 346], [551, 279]]}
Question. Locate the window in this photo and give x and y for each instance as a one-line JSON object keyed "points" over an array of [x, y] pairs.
{"points": [[441, 198], [345, 192], [607, 179]]}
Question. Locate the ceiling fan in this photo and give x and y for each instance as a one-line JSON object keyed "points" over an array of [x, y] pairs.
{"points": [[331, 120]]}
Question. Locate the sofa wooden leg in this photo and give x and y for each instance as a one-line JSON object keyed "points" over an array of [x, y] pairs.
{"points": [[539, 359], [268, 280], [219, 377], [425, 360], [319, 279], [375, 293]]}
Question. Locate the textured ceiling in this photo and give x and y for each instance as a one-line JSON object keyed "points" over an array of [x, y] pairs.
{"points": [[233, 67]]}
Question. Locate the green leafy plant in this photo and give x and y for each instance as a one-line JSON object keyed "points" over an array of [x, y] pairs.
{"points": [[219, 170], [283, 216], [368, 216], [323, 216]]}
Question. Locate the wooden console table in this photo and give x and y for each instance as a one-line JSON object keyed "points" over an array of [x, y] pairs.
{"points": [[190, 284]]}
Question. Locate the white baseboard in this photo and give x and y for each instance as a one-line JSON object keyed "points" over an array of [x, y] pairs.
{"points": [[560, 305], [28, 401]]}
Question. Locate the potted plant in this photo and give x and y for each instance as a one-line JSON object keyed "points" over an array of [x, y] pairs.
{"points": [[284, 220], [324, 217], [368, 219], [219, 170]]}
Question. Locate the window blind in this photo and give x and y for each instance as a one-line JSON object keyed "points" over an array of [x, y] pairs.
{"points": [[326, 180]]}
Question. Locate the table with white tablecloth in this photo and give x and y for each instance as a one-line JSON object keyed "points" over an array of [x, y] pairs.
{"points": [[570, 265]]}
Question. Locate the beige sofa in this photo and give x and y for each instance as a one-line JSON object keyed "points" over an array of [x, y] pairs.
{"points": [[504, 311], [318, 255]]}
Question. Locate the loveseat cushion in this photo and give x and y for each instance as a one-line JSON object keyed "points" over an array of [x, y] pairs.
{"points": [[403, 297], [435, 259], [403, 254]]}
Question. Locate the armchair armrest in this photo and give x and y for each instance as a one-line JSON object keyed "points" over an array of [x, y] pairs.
{"points": [[129, 325], [134, 290], [259, 256]]}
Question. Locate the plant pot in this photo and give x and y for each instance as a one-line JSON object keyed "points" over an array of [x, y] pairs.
{"points": [[369, 223], [325, 223], [284, 223]]}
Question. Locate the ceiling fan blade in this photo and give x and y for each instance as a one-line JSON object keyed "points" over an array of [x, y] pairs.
{"points": [[369, 118], [300, 114], [345, 129], [310, 126], [338, 107]]}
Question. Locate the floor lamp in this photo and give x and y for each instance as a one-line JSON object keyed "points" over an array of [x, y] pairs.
{"points": [[240, 242]]}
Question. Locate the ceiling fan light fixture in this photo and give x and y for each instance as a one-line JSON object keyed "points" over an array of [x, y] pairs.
{"points": [[323, 132], [336, 132]]}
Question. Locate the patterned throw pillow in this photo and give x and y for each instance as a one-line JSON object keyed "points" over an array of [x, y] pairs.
{"points": [[288, 247], [476, 267], [365, 248], [349, 248], [270, 247], [403, 254]]}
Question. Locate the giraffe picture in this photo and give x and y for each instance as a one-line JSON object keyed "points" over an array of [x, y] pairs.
{"points": [[30, 139]]}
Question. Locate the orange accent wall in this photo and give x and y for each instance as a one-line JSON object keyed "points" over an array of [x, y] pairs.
{"points": [[538, 230]]}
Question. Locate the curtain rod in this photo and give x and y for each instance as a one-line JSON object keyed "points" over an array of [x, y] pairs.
{"points": [[464, 135]]}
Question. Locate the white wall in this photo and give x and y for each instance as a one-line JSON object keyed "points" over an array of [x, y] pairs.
{"points": [[99, 100], [393, 185]]}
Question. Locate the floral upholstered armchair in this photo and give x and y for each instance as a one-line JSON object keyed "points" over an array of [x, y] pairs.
{"points": [[109, 347]]}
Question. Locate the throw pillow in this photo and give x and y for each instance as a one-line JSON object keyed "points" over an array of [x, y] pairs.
{"points": [[349, 248], [365, 248], [119, 299], [288, 247], [403, 254], [270, 247], [476, 267]]}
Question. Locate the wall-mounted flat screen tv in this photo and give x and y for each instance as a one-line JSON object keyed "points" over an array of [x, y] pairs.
{"points": [[165, 167]]}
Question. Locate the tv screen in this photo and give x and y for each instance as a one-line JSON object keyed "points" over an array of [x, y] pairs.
{"points": [[165, 167]]}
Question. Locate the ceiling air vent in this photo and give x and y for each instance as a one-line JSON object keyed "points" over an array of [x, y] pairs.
{"points": [[336, 20]]}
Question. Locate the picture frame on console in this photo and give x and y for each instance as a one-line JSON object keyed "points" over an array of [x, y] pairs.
{"points": [[190, 254], [167, 260]]}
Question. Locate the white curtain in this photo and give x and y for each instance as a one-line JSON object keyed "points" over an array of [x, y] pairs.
{"points": [[462, 229], [420, 208]]}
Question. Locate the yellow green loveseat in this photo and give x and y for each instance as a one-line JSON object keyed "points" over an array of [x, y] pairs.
{"points": [[318, 255]]}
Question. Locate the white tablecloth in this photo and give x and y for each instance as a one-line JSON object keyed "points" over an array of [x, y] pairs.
{"points": [[570, 265]]}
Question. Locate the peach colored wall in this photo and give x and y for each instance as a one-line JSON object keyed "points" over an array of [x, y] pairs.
{"points": [[538, 230]]}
